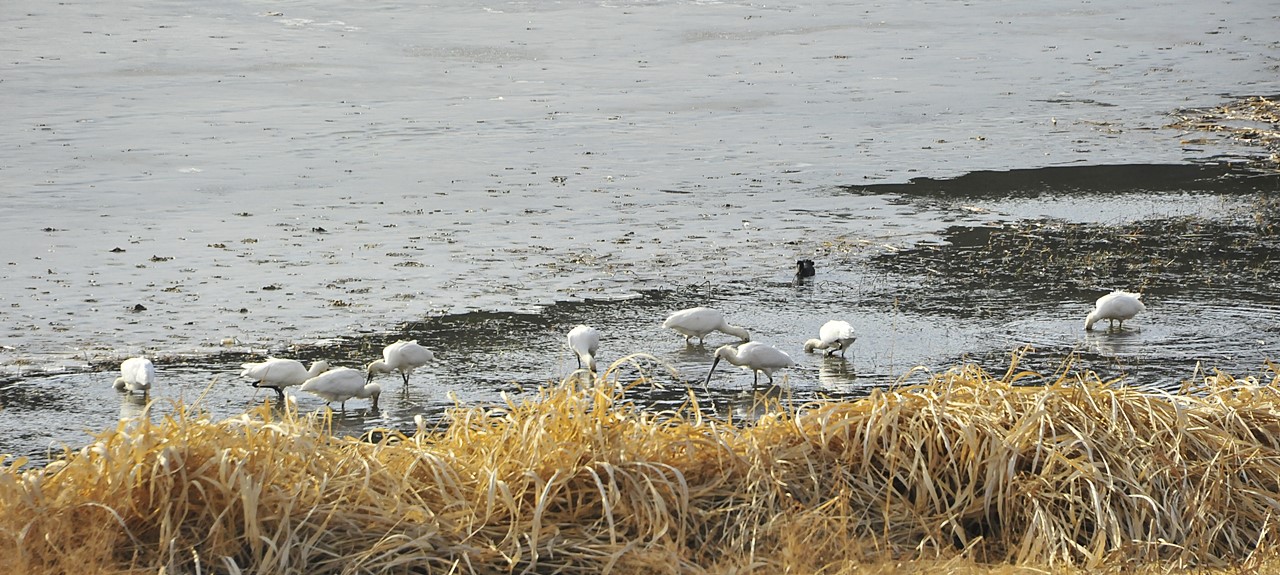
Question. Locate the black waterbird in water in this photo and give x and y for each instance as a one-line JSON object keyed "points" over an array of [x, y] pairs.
{"points": [[805, 269]]}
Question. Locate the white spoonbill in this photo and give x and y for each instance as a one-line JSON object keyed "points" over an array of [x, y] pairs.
{"points": [[756, 356], [136, 374], [1117, 305], [700, 321], [403, 356], [584, 340], [833, 336], [342, 384], [278, 373]]}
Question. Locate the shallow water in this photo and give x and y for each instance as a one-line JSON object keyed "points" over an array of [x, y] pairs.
{"points": [[263, 178]]}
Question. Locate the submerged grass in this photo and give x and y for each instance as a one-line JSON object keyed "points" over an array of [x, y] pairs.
{"points": [[967, 472]]}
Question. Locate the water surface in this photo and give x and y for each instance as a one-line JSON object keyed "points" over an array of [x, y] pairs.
{"points": [[212, 182]]}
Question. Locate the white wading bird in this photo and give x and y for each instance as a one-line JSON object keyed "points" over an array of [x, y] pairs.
{"points": [[1117, 305], [584, 340], [403, 356], [277, 373], [834, 336], [342, 384], [700, 321], [136, 374], [755, 356]]}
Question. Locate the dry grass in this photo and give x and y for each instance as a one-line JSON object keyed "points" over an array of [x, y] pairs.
{"points": [[967, 473]]}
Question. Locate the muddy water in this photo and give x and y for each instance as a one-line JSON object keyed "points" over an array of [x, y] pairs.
{"points": [[211, 183]]}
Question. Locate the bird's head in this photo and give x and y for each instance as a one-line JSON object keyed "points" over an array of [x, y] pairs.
{"points": [[374, 368], [721, 352]]}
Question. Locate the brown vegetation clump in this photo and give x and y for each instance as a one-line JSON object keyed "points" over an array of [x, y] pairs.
{"points": [[1254, 121], [968, 472]]}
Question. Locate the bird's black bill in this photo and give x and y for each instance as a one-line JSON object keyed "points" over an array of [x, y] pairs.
{"points": [[713, 370]]}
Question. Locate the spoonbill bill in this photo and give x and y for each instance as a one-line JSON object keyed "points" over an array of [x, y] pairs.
{"points": [[342, 384], [403, 356], [278, 373], [700, 321], [1117, 305], [584, 340], [136, 374], [756, 356], [833, 336]]}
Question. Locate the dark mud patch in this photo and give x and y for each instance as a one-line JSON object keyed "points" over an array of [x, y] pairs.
{"points": [[1045, 260], [1210, 275]]}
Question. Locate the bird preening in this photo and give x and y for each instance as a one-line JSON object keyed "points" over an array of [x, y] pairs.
{"points": [[1117, 305], [700, 321], [833, 336]]}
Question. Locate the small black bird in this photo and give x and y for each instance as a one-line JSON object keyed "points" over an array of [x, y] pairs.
{"points": [[805, 269]]}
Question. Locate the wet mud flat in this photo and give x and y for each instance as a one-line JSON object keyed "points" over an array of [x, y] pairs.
{"points": [[1015, 264]]}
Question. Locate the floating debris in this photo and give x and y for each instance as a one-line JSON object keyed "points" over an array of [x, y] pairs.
{"points": [[1253, 121]]}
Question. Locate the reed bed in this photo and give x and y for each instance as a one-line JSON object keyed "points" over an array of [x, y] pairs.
{"points": [[967, 472]]}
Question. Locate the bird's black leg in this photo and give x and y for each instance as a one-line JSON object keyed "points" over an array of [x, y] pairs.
{"points": [[405, 375], [280, 392]]}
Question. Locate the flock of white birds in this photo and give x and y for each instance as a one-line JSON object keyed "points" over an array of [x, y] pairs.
{"points": [[343, 383]]}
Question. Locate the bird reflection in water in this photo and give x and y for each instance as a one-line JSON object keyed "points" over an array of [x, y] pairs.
{"points": [[754, 405], [836, 375], [133, 406]]}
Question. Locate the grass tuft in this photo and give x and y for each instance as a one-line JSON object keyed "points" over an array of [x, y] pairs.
{"points": [[967, 472]]}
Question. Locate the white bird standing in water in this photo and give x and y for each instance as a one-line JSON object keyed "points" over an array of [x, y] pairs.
{"points": [[136, 374], [1117, 305], [277, 373], [403, 356], [584, 340], [700, 321], [342, 384], [756, 356], [833, 336]]}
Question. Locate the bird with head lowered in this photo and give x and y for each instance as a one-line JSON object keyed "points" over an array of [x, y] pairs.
{"points": [[700, 321], [753, 355]]}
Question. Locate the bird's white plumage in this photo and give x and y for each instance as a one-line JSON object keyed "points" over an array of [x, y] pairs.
{"points": [[756, 356], [136, 374], [342, 384], [700, 321], [584, 340], [1117, 305], [279, 373], [403, 356], [833, 336]]}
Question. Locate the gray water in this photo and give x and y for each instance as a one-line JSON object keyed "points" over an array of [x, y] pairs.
{"points": [[211, 182]]}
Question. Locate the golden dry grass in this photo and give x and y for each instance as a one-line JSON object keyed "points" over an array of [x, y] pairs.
{"points": [[966, 473]]}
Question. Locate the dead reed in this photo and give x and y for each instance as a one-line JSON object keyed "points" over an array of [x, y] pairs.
{"points": [[968, 472]]}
